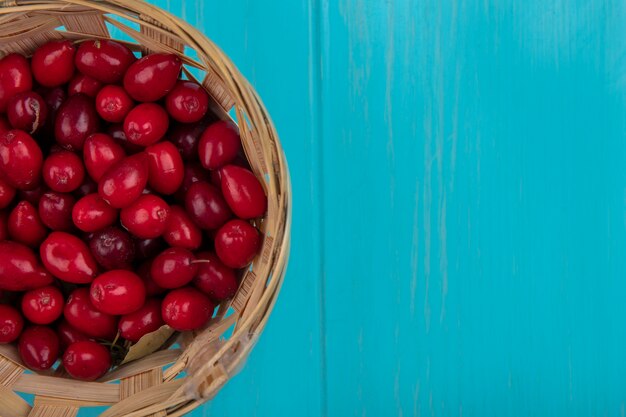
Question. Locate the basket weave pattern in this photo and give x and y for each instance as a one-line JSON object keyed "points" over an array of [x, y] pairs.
{"points": [[206, 359]]}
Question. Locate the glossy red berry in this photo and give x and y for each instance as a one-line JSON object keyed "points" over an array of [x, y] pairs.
{"points": [[25, 226], [188, 102], [92, 213], [147, 217], [68, 334], [20, 269], [103, 59], [7, 193], [113, 103], [86, 360], [152, 77], [39, 347], [206, 206], [237, 243], [219, 145], [84, 84], [43, 305], [75, 121], [181, 231], [84, 317], [243, 192], [146, 124], [27, 111], [63, 171], [53, 63], [146, 320], [113, 248], [173, 268], [20, 159], [124, 182], [55, 210], [166, 169], [117, 133], [117, 292], [11, 324], [100, 153], [68, 258], [186, 309], [214, 278], [15, 77]]}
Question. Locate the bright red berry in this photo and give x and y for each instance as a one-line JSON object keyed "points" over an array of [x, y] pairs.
{"points": [[166, 169], [39, 347], [82, 315], [55, 210], [173, 268], [43, 305], [92, 213], [6, 193], [243, 192], [146, 320], [188, 102], [186, 309], [219, 144], [63, 171], [146, 124], [25, 226], [27, 111], [84, 84], [237, 243], [152, 77], [11, 324], [20, 159], [206, 206], [214, 278], [53, 63], [181, 231], [86, 360], [15, 77], [124, 182], [100, 153], [113, 103], [117, 292], [75, 121], [68, 258], [20, 269], [147, 217], [103, 59]]}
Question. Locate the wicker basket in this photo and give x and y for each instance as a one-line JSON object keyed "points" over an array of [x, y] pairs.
{"points": [[205, 360]]}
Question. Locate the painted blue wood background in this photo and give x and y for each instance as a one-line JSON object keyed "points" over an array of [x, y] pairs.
{"points": [[459, 176]]}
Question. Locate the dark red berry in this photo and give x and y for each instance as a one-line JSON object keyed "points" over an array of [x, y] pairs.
{"points": [[188, 102], [88, 186], [68, 258], [39, 347], [193, 173], [117, 133], [152, 289], [4, 228], [166, 168], [146, 124], [113, 103], [68, 334], [63, 171], [173, 268], [84, 84], [25, 226], [55, 210], [219, 145], [237, 243], [20, 269], [103, 59], [206, 206], [34, 195], [181, 231], [54, 98], [86, 360], [15, 77], [5, 126], [152, 77], [92, 213], [82, 315], [146, 320], [149, 248], [113, 248], [76, 120], [214, 278], [100, 153], [43, 305], [186, 137], [20, 159], [124, 182], [186, 309], [147, 217], [11, 324], [27, 111], [53, 63], [7, 193], [243, 192], [117, 292]]}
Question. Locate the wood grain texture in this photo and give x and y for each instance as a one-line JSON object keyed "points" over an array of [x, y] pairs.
{"points": [[459, 205]]}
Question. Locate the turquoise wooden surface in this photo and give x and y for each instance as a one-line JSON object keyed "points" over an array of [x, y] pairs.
{"points": [[459, 205]]}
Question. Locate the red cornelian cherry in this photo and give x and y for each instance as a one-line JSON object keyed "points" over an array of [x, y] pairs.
{"points": [[186, 137], [20, 159], [186, 309], [147, 217], [82, 83], [100, 153], [20, 269], [55, 210], [146, 320], [104, 60], [237, 243], [188, 102], [92, 213], [206, 206], [43, 305], [243, 192], [63, 171], [219, 145], [152, 289], [11, 324], [4, 229], [27, 111], [68, 334], [146, 124], [68, 258], [214, 278], [124, 182], [113, 103], [86, 360], [152, 77], [113, 248], [75, 121], [181, 231], [173, 268], [25, 226], [166, 168], [38, 347], [84, 317], [117, 292], [15, 77], [53, 63], [7, 193]]}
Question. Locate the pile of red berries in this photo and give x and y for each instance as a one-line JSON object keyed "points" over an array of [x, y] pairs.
{"points": [[124, 203]]}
